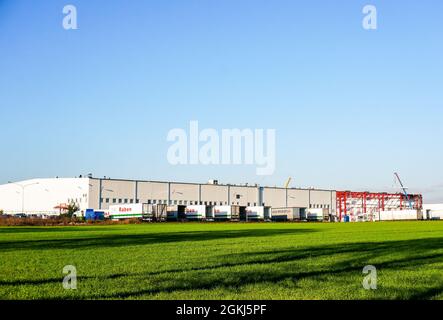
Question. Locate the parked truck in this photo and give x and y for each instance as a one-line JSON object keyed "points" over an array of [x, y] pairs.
{"points": [[255, 213], [126, 211], [197, 212], [226, 213], [176, 213], [318, 214], [288, 214], [396, 215]]}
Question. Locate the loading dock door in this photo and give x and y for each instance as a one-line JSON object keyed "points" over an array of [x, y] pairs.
{"points": [[303, 214], [181, 213], [209, 213], [243, 214]]}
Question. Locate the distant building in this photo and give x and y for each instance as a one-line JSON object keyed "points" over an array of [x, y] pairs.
{"points": [[48, 196], [433, 211]]}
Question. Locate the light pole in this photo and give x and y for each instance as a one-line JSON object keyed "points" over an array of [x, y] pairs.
{"points": [[23, 187]]}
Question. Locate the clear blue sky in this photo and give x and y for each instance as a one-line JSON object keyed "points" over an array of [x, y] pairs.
{"points": [[350, 106]]}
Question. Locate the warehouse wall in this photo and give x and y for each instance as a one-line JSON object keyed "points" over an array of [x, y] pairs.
{"points": [[125, 191], [215, 194], [334, 202], [101, 193], [274, 197], [243, 195], [298, 198], [321, 199], [94, 193], [184, 192], [42, 195], [152, 191], [115, 192]]}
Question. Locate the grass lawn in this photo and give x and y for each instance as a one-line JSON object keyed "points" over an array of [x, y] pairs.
{"points": [[224, 261]]}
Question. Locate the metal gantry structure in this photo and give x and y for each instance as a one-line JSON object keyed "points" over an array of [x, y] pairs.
{"points": [[403, 188], [355, 203]]}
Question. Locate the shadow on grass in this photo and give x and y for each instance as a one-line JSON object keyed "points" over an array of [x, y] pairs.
{"points": [[46, 229], [287, 267], [428, 293], [386, 256], [118, 240]]}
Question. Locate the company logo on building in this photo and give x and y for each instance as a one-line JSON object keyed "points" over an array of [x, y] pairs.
{"points": [[230, 147]]}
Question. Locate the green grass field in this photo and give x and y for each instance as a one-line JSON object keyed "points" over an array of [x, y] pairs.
{"points": [[224, 261]]}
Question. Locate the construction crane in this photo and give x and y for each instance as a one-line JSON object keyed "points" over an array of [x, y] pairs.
{"points": [[288, 182], [404, 189]]}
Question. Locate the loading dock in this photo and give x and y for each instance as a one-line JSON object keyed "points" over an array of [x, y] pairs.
{"points": [[226, 213], [242, 213], [176, 213], [287, 214]]}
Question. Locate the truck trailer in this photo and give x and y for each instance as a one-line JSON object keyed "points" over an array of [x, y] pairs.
{"points": [[255, 213], [176, 213], [126, 211], [318, 214], [226, 213], [398, 215], [288, 214], [197, 212]]}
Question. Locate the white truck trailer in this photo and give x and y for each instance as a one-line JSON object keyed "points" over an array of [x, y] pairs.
{"points": [[223, 213], [255, 213], [287, 214], [398, 215], [125, 211], [317, 214], [196, 212], [144, 211]]}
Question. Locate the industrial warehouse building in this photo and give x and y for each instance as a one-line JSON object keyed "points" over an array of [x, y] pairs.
{"points": [[52, 196], [49, 196], [433, 211]]}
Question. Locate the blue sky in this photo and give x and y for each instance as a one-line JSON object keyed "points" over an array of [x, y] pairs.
{"points": [[350, 106]]}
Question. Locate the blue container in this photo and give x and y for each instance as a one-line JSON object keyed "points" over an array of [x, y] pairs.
{"points": [[92, 215], [89, 214], [99, 215], [346, 218]]}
